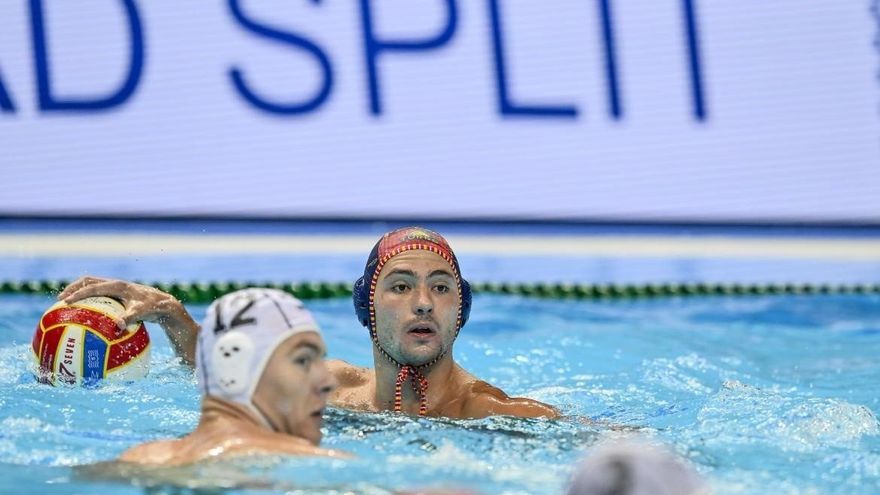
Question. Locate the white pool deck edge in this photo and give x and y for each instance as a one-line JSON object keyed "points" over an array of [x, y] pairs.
{"points": [[32, 245]]}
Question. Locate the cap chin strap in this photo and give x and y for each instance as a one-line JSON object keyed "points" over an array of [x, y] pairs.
{"points": [[419, 384], [417, 379], [260, 416]]}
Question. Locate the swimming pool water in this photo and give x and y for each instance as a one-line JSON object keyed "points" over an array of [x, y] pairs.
{"points": [[763, 395]]}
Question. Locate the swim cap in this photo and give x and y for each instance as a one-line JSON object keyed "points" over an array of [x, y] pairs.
{"points": [[238, 336], [634, 468], [364, 291], [389, 246]]}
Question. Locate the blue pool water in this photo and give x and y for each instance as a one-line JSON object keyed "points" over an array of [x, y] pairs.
{"points": [[762, 394]]}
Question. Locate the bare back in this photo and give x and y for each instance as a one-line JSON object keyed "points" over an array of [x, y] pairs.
{"points": [[220, 437]]}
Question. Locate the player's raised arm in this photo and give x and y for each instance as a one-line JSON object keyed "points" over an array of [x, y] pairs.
{"points": [[142, 303]]}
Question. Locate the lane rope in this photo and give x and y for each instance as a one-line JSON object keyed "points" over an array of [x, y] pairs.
{"points": [[205, 292]]}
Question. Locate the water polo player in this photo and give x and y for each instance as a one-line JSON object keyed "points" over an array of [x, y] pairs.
{"points": [[413, 301], [264, 381]]}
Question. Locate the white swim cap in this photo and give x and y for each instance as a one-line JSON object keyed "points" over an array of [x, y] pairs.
{"points": [[634, 468], [238, 336]]}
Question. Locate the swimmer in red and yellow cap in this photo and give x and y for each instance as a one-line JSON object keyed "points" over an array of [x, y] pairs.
{"points": [[414, 301]]}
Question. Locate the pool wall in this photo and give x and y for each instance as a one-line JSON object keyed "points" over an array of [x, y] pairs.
{"points": [[278, 252]]}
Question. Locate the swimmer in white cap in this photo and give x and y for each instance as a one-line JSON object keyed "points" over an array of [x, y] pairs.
{"points": [[261, 370], [631, 467]]}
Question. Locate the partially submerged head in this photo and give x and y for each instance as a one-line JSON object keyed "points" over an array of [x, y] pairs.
{"points": [[634, 468], [261, 349], [412, 296]]}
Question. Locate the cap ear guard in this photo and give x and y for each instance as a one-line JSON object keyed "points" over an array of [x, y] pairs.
{"points": [[231, 362], [360, 295], [466, 299]]}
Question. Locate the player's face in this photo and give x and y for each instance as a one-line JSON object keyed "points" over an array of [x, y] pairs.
{"points": [[416, 303], [295, 386]]}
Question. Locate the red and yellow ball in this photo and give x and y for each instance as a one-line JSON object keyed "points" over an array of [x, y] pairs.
{"points": [[80, 344]]}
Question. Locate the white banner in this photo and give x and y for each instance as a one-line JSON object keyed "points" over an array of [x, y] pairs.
{"points": [[672, 110]]}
